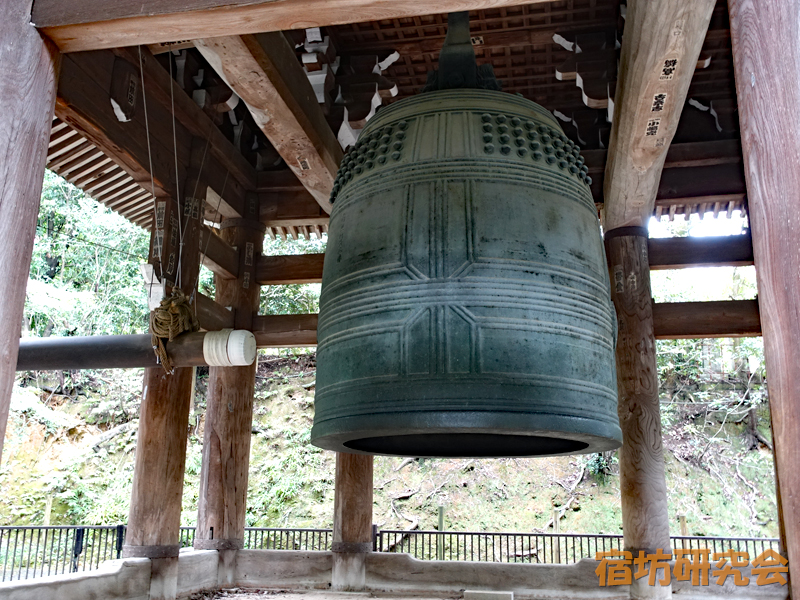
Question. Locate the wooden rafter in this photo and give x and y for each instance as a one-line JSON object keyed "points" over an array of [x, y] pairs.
{"points": [[660, 48], [263, 70]]}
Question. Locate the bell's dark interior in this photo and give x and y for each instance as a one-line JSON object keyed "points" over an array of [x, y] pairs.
{"points": [[479, 445]]}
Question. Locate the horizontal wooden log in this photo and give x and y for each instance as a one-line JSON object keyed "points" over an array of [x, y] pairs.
{"points": [[285, 331], [105, 352], [212, 316], [690, 320], [693, 154], [694, 185], [294, 268], [727, 318], [684, 252], [92, 24], [291, 209], [665, 253], [218, 255]]}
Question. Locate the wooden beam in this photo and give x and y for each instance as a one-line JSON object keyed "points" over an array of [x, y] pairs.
{"points": [[264, 71], [291, 209], [665, 253], [92, 24], [154, 516], [28, 72], [727, 318], [689, 320], [685, 252], [700, 182], [660, 48], [218, 255], [285, 331], [679, 156], [766, 58], [212, 316], [288, 269]]}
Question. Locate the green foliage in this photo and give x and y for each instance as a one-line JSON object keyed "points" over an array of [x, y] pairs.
{"points": [[84, 271]]}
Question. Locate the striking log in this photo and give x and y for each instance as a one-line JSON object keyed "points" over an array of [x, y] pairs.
{"points": [[766, 60], [222, 504], [352, 521], [28, 72], [116, 352], [643, 488]]}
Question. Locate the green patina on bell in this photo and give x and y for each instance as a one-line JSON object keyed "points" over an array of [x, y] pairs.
{"points": [[465, 303]]}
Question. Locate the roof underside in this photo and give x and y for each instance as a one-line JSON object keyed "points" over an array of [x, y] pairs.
{"points": [[517, 41]]}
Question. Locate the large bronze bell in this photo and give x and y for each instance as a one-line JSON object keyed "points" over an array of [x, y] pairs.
{"points": [[465, 303]]}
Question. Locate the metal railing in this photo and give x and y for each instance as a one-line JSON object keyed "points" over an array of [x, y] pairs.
{"points": [[544, 548], [27, 552], [549, 548], [753, 546], [267, 538]]}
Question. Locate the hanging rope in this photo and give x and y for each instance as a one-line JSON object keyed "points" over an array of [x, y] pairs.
{"points": [[168, 321]]}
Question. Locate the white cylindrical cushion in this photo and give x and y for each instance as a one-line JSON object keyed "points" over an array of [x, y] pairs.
{"points": [[215, 348], [241, 348], [229, 348]]}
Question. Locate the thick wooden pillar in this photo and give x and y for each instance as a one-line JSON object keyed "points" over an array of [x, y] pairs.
{"points": [[229, 413], [28, 75], [643, 489], [155, 510], [766, 59], [352, 521]]}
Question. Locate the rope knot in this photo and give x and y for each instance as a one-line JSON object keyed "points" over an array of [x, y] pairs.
{"points": [[173, 317]]}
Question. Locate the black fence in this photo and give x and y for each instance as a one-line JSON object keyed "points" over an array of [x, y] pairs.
{"points": [[27, 552], [543, 548], [549, 548]]}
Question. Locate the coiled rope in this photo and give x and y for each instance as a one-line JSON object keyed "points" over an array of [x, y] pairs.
{"points": [[173, 317]]}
